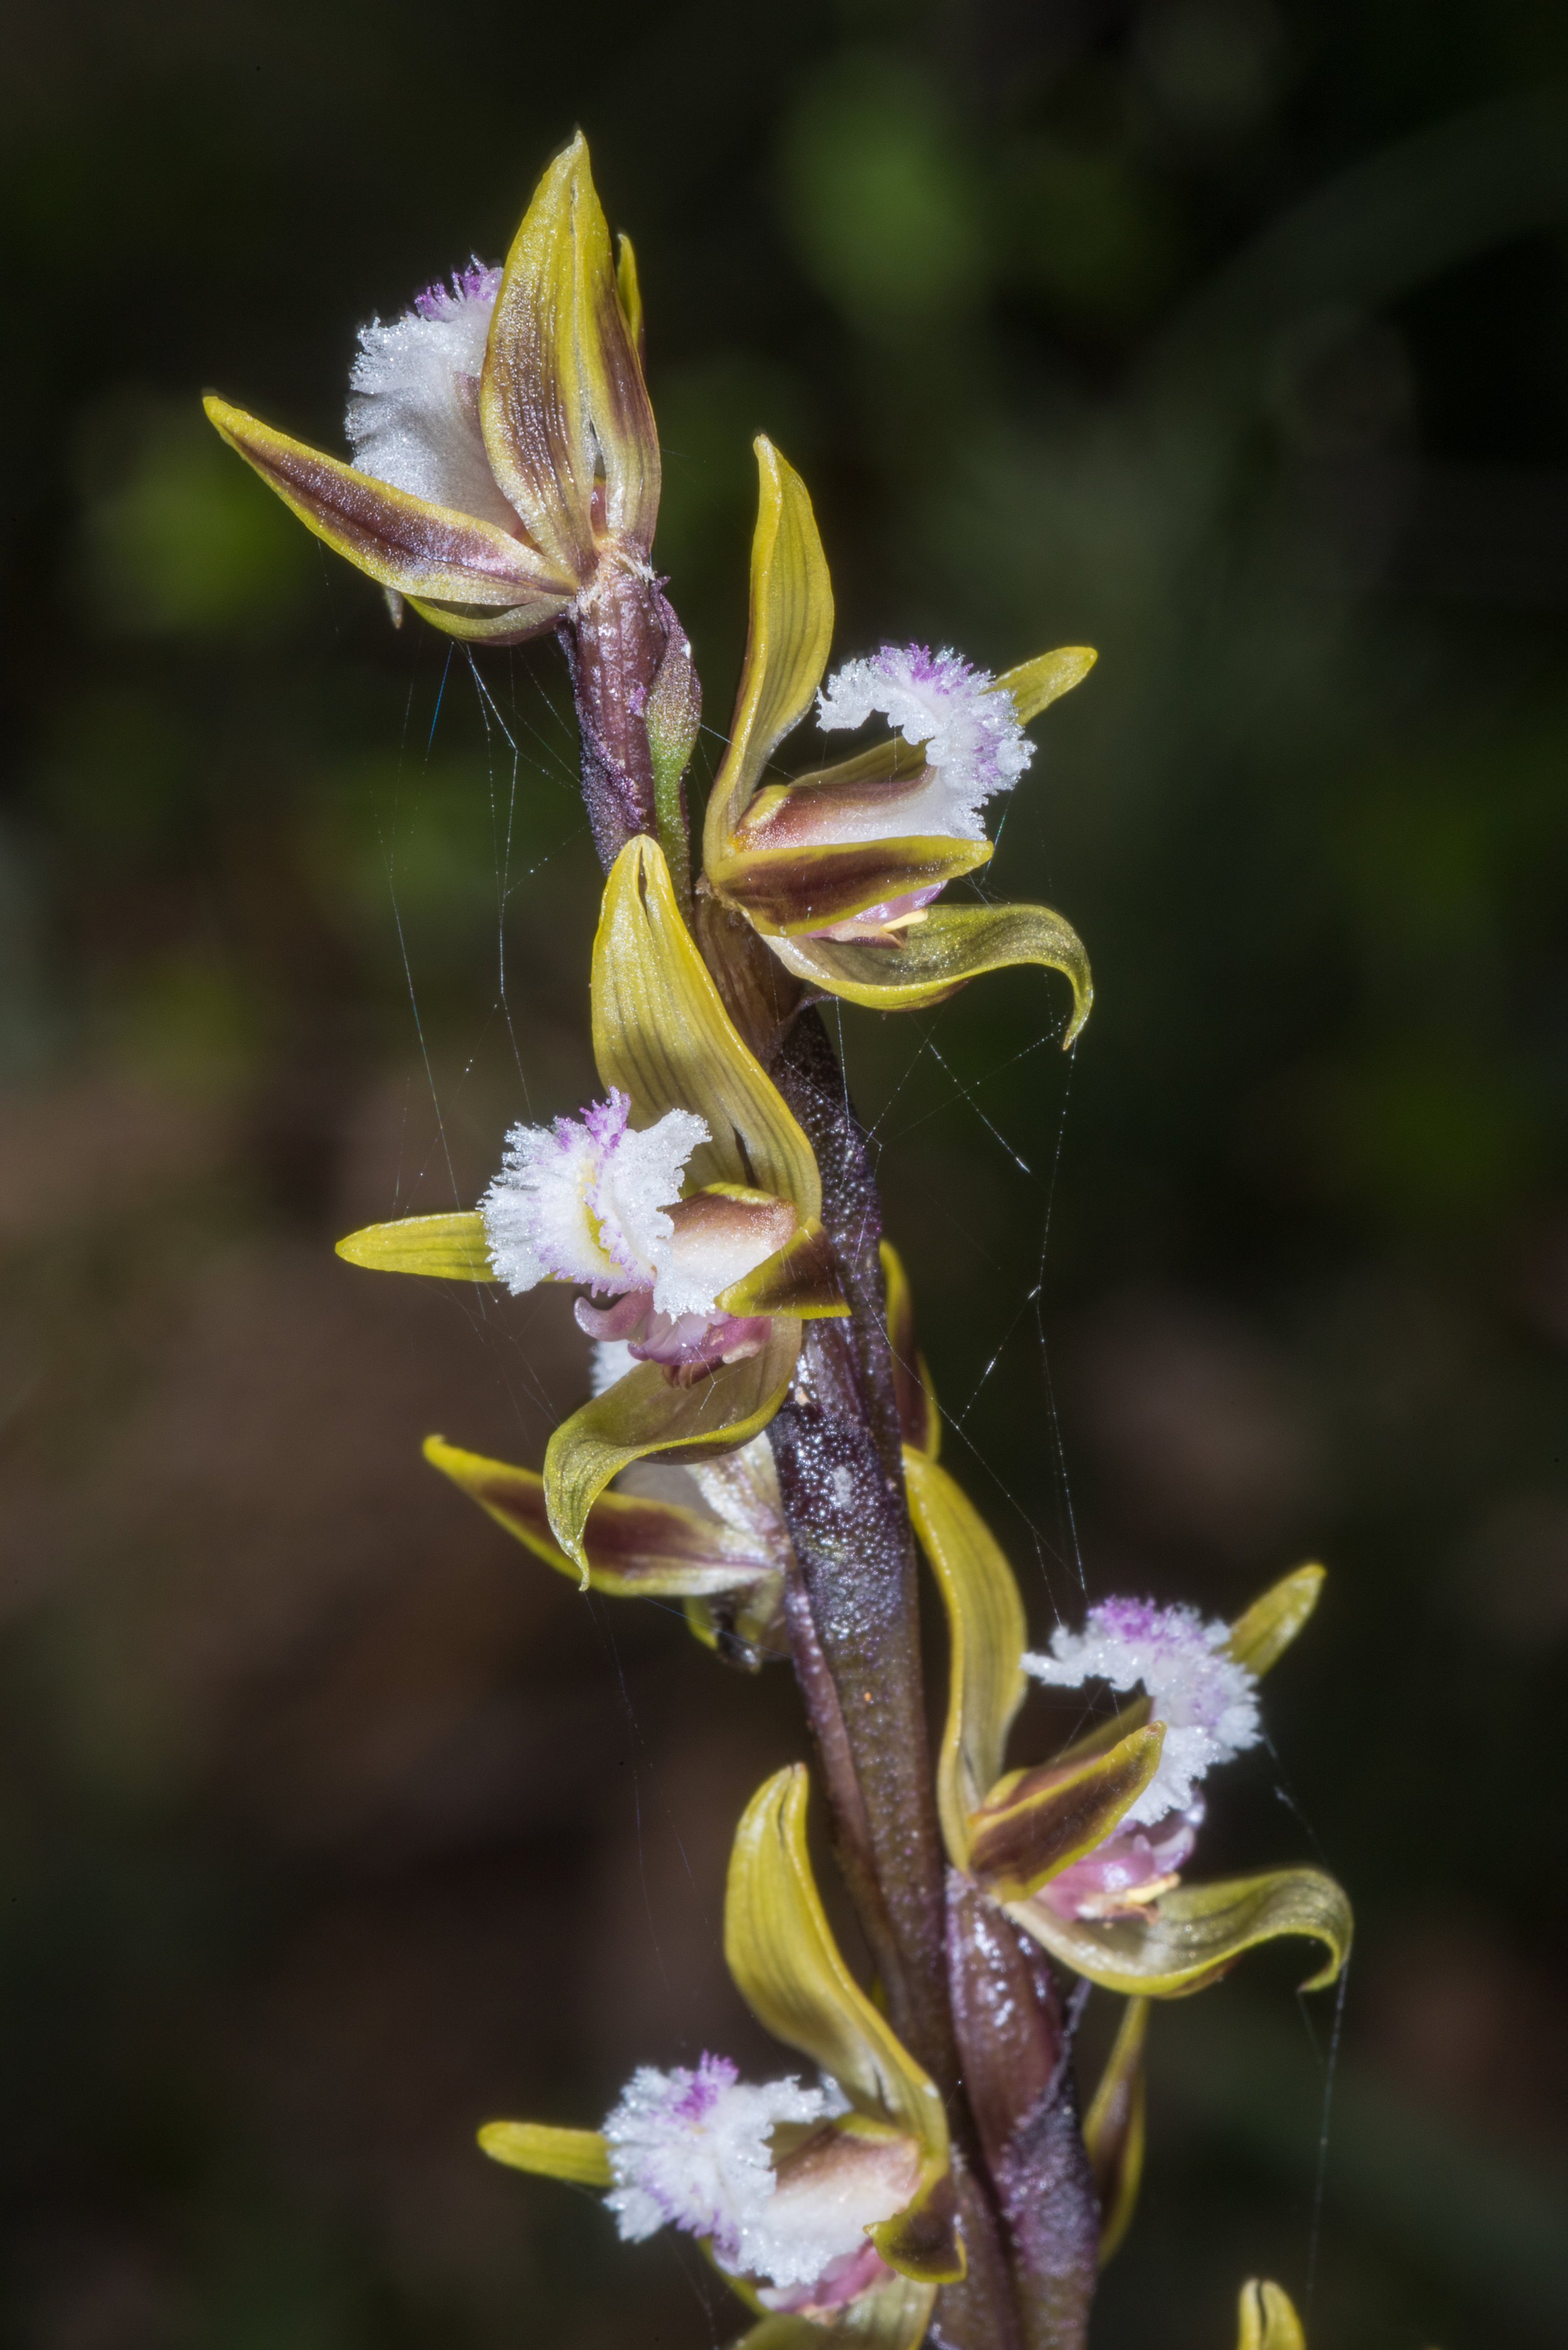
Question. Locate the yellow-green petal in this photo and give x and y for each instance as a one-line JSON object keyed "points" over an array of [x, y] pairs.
{"points": [[986, 1636], [645, 1416], [662, 1032], [1196, 1932], [408, 544], [953, 945], [790, 630], [789, 1970], [1267, 2319], [580, 2157], [1261, 1637], [636, 1548], [1034, 1824], [561, 387], [442, 1248], [1113, 2129], [919, 1421]]}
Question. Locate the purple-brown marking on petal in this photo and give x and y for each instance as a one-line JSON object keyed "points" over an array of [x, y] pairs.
{"points": [[1050, 1816], [399, 540]]}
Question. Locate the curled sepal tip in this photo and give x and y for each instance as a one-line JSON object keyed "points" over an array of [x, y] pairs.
{"points": [[644, 1415], [952, 945], [661, 1034], [578, 2155], [788, 1968], [442, 1248], [1113, 2129], [1267, 2319], [635, 1548], [1196, 1933]]}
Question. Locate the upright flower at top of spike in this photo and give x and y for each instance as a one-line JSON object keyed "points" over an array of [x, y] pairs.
{"points": [[506, 481], [840, 869]]}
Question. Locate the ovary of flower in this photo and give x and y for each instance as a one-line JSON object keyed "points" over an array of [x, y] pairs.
{"points": [[586, 1200], [1207, 1700], [694, 2150], [413, 411], [973, 742]]}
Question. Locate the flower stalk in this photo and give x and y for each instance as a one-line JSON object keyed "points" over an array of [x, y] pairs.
{"points": [[756, 1364]]}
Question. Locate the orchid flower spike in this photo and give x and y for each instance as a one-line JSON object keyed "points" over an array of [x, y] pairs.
{"points": [[689, 1197], [505, 461], [831, 2202], [840, 870]]}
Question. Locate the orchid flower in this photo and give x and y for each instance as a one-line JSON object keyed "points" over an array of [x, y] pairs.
{"points": [[505, 481], [838, 870], [1084, 1852], [505, 456], [713, 1534], [830, 2203], [691, 1198]]}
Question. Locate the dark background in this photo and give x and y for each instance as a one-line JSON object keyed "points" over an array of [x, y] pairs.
{"points": [[1229, 335]]}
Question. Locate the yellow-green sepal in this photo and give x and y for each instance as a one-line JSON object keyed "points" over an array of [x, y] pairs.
{"points": [[986, 1635], [802, 1278], [635, 1548], [441, 1248], [795, 888], [789, 1969], [407, 544], [1266, 2319], [561, 389], [931, 959], [580, 2156], [645, 1416], [1260, 1636], [1196, 1933], [629, 291], [472, 625], [790, 627], [662, 1034], [1034, 1824], [1114, 2127], [1035, 684]]}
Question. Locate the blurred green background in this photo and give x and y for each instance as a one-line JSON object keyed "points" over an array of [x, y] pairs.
{"points": [[1229, 335]]}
